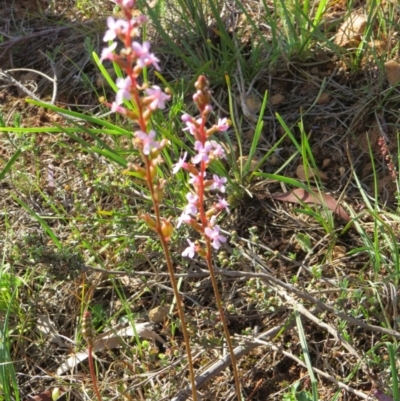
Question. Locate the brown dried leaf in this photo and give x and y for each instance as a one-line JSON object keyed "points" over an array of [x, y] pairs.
{"points": [[253, 163], [326, 163], [392, 69], [339, 251], [350, 32], [324, 98], [110, 339], [253, 103], [277, 99], [45, 326], [44, 396], [158, 314], [300, 195]]}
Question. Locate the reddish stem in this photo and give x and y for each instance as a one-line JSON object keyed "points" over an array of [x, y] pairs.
{"points": [[93, 374]]}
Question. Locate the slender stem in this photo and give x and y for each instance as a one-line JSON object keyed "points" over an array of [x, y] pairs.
{"points": [[203, 219], [92, 374], [174, 283], [223, 319]]}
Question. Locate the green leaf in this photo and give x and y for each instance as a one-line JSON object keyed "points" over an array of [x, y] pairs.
{"points": [[9, 164]]}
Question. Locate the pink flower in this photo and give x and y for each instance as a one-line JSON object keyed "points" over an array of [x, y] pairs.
{"points": [[108, 52], [215, 236], [125, 3], [143, 57], [202, 152], [118, 109], [187, 118], [218, 183], [191, 127], [222, 125], [181, 164], [191, 207], [191, 123], [183, 218], [124, 86], [147, 141], [157, 97], [195, 179], [115, 27], [218, 151], [190, 250], [222, 204]]}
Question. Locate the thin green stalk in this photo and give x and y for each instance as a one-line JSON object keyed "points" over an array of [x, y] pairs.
{"points": [[393, 368]]}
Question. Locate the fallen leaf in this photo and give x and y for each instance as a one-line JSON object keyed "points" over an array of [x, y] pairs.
{"points": [[158, 314], [326, 163], [243, 161], [350, 32], [277, 99], [324, 98], [253, 103], [44, 325], [110, 339], [339, 251], [299, 195], [44, 396], [392, 69], [311, 173]]}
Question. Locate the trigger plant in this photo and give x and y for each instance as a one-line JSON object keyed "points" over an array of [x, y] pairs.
{"points": [[203, 220], [132, 58]]}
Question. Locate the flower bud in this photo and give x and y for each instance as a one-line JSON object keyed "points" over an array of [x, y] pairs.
{"points": [[159, 191], [87, 329], [166, 229], [210, 212], [201, 252], [149, 221], [153, 171]]}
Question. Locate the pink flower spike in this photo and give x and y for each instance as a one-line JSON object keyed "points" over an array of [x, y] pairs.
{"points": [[157, 96], [190, 250], [124, 86], [108, 52], [218, 183], [148, 141], [202, 152], [143, 57], [222, 125], [115, 27], [222, 204], [181, 164], [215, 236]]}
